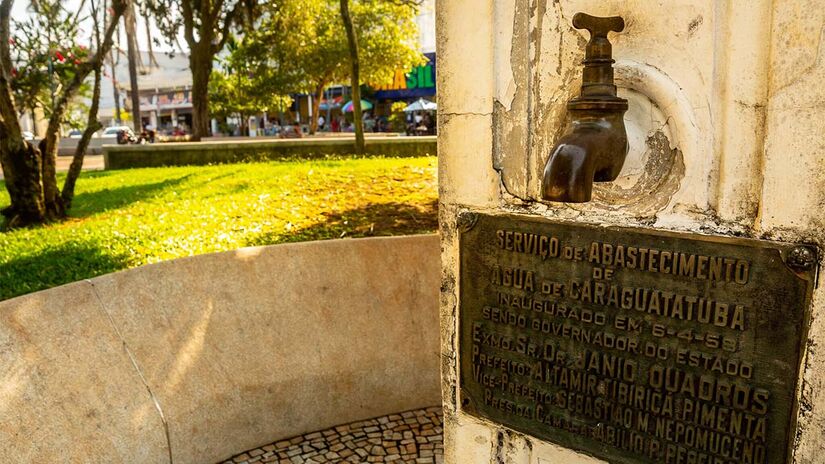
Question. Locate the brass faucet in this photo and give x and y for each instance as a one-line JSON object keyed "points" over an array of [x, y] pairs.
{"points": [[594, 144]]}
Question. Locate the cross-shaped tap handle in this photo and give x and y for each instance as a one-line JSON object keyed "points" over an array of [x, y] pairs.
{"points": [[598, 27], [597, 78]]}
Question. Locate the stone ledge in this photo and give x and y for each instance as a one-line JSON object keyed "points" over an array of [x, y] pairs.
{"points": [[238, 348], [68, 390], [216, 152]]}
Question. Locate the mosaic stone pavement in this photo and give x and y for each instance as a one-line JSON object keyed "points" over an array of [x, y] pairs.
{"points": [[407, 437]]}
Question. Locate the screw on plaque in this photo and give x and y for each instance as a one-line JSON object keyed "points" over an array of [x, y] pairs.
{"points": [[466, 221], [801, 258]]}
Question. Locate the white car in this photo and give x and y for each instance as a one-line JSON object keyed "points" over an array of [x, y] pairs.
{"points": [[112, 131], [27, 135]]}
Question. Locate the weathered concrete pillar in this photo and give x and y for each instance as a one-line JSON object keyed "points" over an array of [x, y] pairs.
{"points": [[726, 124]]}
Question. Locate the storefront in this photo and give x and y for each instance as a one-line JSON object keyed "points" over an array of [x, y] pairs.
{"points": [[167, 110], [407, 86]]}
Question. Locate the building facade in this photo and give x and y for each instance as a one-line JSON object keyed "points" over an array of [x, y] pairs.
{"points": [[164, 82]]}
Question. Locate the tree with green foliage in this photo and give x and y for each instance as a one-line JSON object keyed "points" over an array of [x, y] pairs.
{"points": [[234, 90], [45, 52], [30, 172], [355, 47], [301, 46], [207, 26], [92, 123]]}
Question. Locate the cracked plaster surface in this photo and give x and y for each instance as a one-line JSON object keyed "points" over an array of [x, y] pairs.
{"points": [[749, 157]]}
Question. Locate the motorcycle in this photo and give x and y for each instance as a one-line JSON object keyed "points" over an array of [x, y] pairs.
{"points": [[125, 137]]}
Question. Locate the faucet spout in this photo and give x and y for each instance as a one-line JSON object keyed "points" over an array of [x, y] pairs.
{"points": [[594, 144], [592, 148]]}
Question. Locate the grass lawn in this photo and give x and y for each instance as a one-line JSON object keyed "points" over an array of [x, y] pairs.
{"points": [[123, 219]]}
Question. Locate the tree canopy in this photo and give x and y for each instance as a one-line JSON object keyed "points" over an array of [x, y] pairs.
{"points": [[300, 46], [46, 50], [30, 172], [207, 26], [233, 89]]}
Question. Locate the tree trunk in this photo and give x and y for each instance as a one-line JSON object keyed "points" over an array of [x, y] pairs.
{"points": [[116, 91], [356, 78], [33, 115], [92, 125], [30, 173], [152, 60], [21, 166], [20, 160], [200, 63], [110, 56], [48, 149], [316, 107], [131, 47]]}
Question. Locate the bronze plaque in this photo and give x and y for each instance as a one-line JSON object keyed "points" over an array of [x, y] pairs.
{"points": [[632, 345]]}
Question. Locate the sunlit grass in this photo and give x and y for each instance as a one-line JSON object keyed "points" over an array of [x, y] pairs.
{"points": [[123, 219]]}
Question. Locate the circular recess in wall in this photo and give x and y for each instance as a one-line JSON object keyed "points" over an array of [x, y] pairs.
{"points": [[661, 131], [653, 167]]}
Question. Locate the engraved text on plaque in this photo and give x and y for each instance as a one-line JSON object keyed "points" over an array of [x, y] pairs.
{"points": [[631, 345]]}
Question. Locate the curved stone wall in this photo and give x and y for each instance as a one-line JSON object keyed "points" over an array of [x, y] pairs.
{"points": [[193, 360]]}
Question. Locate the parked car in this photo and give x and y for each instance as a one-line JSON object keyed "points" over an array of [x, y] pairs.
{"points": [[75, 133], [28, 135], [113, 131]]}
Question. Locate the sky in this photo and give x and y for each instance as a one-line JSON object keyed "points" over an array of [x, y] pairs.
{"points": [[20, 10]]}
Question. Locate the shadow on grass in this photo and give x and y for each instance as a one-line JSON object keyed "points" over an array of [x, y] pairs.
{"points": [[368, 221], [62, 264], [88, 203]]}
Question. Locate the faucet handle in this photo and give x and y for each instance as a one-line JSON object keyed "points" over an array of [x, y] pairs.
{"points": [[597, 78], [597, 26]]}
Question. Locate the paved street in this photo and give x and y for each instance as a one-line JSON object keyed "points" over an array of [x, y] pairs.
{"points": [[90, 163], [409, 437]]}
